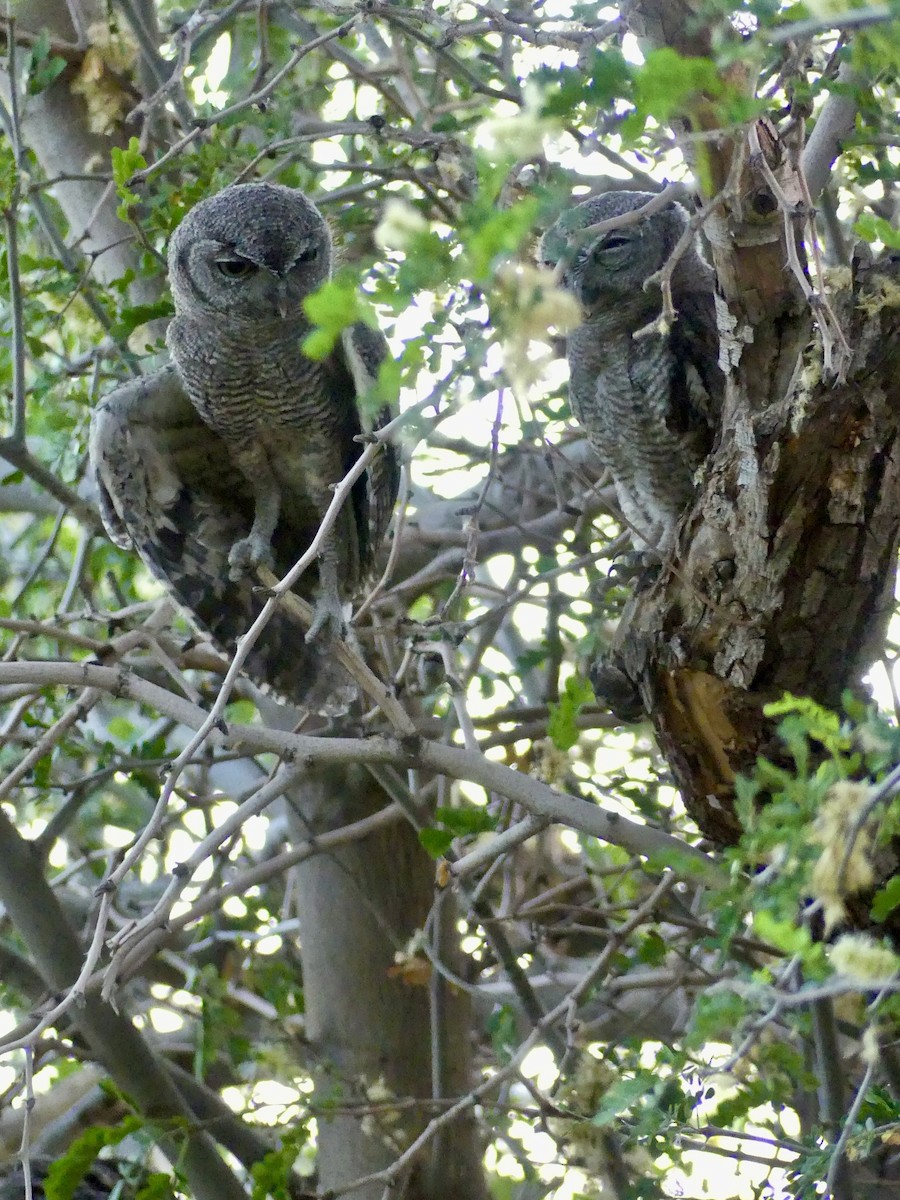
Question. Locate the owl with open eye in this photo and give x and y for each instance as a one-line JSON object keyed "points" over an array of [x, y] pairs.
{"points": [[228, 458], [650, 405]]}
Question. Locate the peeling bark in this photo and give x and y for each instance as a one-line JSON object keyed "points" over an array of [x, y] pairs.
{"points": [[784, 575]]}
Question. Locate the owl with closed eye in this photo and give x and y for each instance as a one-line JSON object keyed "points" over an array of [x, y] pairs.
{"points": [[227, 459], [650, 404]]}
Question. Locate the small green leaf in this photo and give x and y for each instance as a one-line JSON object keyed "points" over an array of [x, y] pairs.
{"points": [[436, 842], [41, 771], [785, 935], [464, 821], [886, 899], [133, 317], [125, 164], [652, 950], [489, 237], [271, 1173], [319, 344], [609, 78], [332, 308], [41, 66], [623, 1094], [503, 1031], [668, 81], [562, 726], [121, 728], [818, 722], [877, 229], [157, 1186], [69, 1170]]}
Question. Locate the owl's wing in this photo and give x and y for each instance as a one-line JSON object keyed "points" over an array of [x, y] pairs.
{"points": [[169, 490], [699, 384], [364, 349]]}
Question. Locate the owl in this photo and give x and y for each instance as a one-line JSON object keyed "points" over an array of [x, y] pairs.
{"points": [[650, 405], [227, 458]]}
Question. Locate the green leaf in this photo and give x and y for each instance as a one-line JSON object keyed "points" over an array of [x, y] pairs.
{"points": [[652, 950], [41, 66], [464, 821], [41, 771], [332, 308], [877, 229], [608, 78], [503, 1031], [272, 1173], [784, 934], [495, 235], [667, 82], [125, 164], [623, 1094], [133, 317], [157, 1186], [819, 723], [886, 899], [319, 344], [69, 1170], [562, 726], [436, 842], [121, 728]]}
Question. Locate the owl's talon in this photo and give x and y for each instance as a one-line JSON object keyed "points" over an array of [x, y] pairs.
{"points": [[617, 690], [246, 554], [328, 619], [641, 565]]}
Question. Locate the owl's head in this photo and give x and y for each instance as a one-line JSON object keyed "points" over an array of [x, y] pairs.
{"points": [[250, 253], [609, 269]]}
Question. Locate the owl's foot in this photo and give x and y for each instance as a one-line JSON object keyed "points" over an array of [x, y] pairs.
{"points": [[640, 566], [249, 552], [328, 617], [616, 690]]}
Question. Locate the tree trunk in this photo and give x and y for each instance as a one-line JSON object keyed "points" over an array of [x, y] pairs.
{"points": [[785, 571], [374, 1034]]}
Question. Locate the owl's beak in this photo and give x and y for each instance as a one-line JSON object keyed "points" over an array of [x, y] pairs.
{"points": [[283, 305], [587, 294]]}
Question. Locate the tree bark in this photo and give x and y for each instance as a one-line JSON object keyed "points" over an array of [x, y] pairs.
{"points": [[785, 570], [783, 577], [56, 126]]}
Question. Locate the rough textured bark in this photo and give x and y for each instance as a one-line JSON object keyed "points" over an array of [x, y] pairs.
{"points": [[783, 576], [785, 571]]}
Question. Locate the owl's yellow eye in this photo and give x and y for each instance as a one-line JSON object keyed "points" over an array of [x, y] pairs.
{"points": [[235, 268]]}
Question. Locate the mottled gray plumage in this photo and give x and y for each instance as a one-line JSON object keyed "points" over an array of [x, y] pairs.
{"points": [[228, 458], [649, 406]]}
